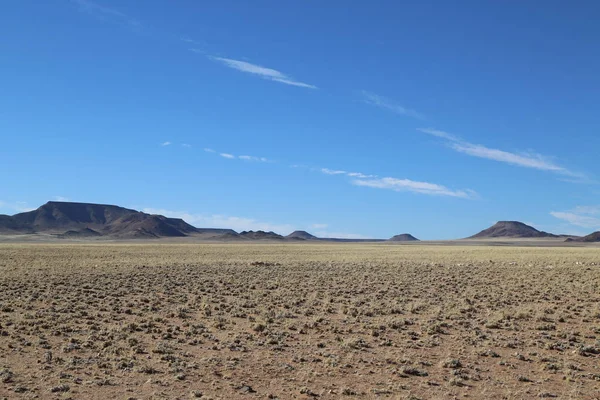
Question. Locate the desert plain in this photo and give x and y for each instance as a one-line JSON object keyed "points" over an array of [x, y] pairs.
{"points": [[298, 321]]}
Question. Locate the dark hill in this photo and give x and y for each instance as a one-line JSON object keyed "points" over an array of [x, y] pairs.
{"points": [[80, 233], [301, 235], [592, 237], [405, 237], [9, 226], [71, 219], [511, 229], [216, 231], [65, 215], [260, 235], [140, 224]]}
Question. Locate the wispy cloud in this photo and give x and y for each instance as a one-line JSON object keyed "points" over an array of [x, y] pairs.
{"points": [[165, 144], [263, 72], [339, 235], [369, 180], [591, 210], [360, 175], [398, 185], [113, 15], [525, 159], [328, 171], [186, 145], [243, 157], [187, 39], [60, 198], [319, 226], [108, 14], [582, 216], [407, 185], [440, 134], [19, 206], [22, 206], [253, 158], [384, 102]]}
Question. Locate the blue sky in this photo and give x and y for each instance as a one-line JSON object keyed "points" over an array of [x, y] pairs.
{"points": [[344, 119]]}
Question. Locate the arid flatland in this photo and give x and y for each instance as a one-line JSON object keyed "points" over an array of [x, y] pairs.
{"points": [[226, 321]]}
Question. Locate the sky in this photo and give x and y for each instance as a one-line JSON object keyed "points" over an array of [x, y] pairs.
{"points": [[345, 119]]}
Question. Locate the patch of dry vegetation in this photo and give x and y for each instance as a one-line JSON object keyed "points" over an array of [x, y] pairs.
{"points": [[226, 321]]}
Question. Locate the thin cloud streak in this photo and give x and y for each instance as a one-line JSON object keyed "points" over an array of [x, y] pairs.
{"points": [[263, 72], [165, 144], [253, 158], [407, 185], [360, 175], [368, 180], [339, 235], [584, 221], [526, 160], [187, 39], [19, 206], [92, 7], [383, 102], [242, 157], [400, 185], [591, 210], [328, 171], [440, 134], [582, 216], [113, 15], [319, 226], [108, 14], [535, 161]]}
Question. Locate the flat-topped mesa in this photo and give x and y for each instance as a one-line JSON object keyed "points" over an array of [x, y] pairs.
{"points": [[71, 219], [511, 229]]}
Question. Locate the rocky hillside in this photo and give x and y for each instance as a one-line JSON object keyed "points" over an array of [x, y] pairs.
{"points": [[511, 229], [404, 237]]}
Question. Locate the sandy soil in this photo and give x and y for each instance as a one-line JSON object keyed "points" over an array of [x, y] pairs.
{"points": [[298, 321]]}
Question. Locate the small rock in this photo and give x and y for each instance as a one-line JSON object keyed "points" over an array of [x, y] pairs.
{"points": [[247, 389]]}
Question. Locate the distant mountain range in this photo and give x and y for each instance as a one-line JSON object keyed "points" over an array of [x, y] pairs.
{"points": [[86, 220], [68, 220]]}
